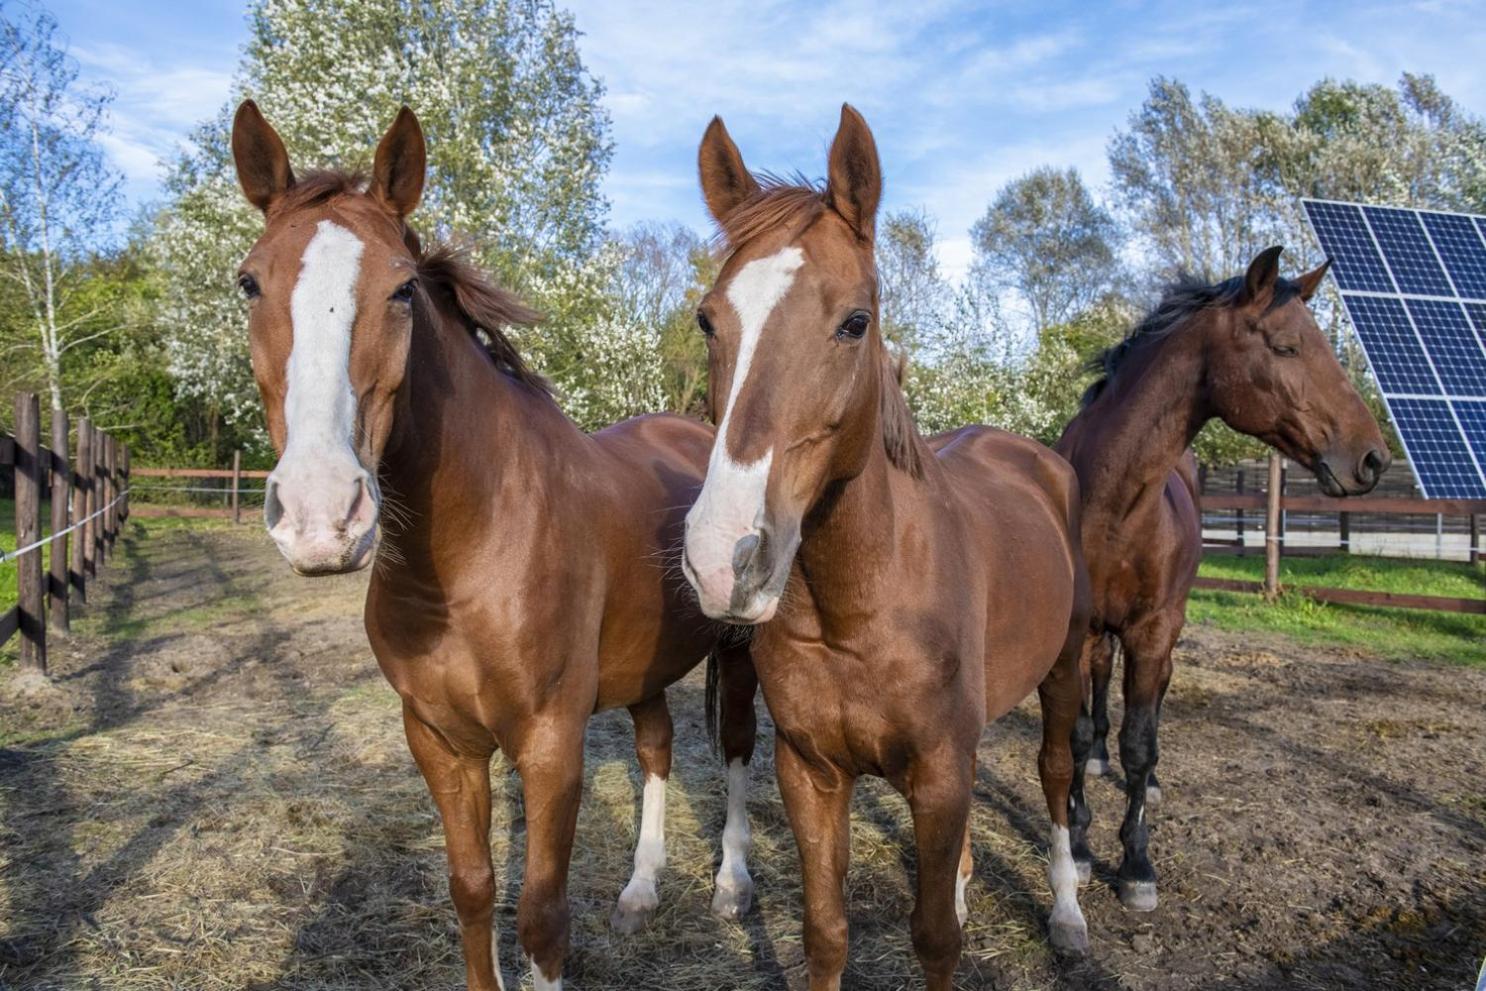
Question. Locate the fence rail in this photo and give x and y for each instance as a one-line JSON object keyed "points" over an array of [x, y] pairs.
{"points": [[1275, 504], [89, 497]]}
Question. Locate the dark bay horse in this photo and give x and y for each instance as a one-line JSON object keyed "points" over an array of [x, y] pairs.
{"points": [[521, 580], [908, 593], [1249, 352]]}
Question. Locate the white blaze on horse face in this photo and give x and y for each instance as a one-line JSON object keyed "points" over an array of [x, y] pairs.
{"points": [[731, 503], [322, 508]]}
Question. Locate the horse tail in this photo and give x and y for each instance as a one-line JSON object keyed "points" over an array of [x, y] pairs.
{"points": [[714, 696]]}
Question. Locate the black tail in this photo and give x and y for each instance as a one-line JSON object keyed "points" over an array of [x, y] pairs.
{"points": [[714, 697]]}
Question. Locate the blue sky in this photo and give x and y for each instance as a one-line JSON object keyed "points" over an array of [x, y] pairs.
{"points": [[962, 96]]}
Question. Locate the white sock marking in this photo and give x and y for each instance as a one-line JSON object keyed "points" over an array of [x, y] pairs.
{"points": [[540, 983], [732, 876], [1062, 875], [650, 851]]}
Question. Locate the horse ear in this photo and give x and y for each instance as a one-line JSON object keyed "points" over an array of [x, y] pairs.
{"points": [[1311, 281], [398, 169], [1264, 272], [262, 162], [726, 181], [854, 176]]}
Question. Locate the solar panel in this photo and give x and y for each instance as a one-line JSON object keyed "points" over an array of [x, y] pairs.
{"points": [[1414, 284]]}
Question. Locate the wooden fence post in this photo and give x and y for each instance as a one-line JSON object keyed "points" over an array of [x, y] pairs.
{"points": [[81, 486], [28, 478], [111, 469], [237, 481], [98, 501], [124, 473], [61, 488], [1272, 534], [1344, 528], [1238, 488], [1475, 552]]}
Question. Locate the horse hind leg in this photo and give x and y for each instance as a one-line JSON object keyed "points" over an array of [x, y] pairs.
{"points": [[653, 737], [1101, 669], [1061, 695], [733, 894], [1147, 674], [1079, 815]]}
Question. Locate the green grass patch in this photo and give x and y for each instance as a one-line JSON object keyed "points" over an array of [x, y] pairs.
{"points": [[8, 543], [1399, 634]]}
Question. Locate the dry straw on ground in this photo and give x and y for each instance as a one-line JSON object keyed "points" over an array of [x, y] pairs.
{"points": [[216, 795]]}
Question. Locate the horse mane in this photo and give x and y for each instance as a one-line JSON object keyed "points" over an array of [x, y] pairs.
{"points": [[1181, 300], [483, 308], [899, 433], [780, 200], [317, 186]]}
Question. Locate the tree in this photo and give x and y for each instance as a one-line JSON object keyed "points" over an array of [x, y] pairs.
{"points": [[1189, 178], [517, 142], [912, 293], [57, 194], [1047, 242]]}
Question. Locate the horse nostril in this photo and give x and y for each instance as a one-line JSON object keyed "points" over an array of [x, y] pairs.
{"points": [[743, 553], [1374, 463], [273, 507]]}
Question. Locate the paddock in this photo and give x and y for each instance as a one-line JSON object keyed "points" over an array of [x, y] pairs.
{"points": [[216, 794]]}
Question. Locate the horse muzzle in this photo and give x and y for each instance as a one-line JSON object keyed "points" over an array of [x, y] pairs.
{"points": [[325, 522]]}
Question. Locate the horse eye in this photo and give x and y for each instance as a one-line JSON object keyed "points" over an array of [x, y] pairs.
{"points": [[404, 293], [248, 285], [705, 324], [855, 326], [1285, 350]]}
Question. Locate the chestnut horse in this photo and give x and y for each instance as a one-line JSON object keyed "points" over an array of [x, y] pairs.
{"points": [[1246, 351], [520, 582], [908, 593]]}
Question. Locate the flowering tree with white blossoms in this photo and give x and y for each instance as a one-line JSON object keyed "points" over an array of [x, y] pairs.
{"points": [[517, 143]]}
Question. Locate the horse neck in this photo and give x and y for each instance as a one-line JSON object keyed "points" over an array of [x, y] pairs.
{"points": [[1141, 425], [469, 442], [848, 540]]}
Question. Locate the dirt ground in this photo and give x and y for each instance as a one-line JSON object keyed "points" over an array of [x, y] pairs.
{"points": [[217, 795]]}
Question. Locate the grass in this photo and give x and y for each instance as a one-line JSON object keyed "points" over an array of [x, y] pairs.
{"points": [[8, 543], [1397, 634]]}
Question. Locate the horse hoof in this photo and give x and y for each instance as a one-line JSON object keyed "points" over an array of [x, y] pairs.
{"points": [[1096, 767], [1085, 870], [636, 905], [732, 900], [1069, 937], [1153, 794], [1138, 896]]}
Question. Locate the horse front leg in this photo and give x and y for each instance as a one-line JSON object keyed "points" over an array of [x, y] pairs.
{"points": [[653, 735], [1147, 674], [733, 893], [818, 803], [549, 757], [938, 795], [461, 789]]}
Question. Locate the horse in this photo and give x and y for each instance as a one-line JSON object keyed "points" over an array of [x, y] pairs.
{"points": [[1246, 351], [524, 572], [902, 594]]}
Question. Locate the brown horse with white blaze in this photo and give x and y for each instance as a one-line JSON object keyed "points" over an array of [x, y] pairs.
{"points": [[907, 592], [1246, 351], [521, 583]]}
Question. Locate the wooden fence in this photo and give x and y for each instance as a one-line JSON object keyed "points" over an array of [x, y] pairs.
{"points": [[89, 499], [1274, 503]]}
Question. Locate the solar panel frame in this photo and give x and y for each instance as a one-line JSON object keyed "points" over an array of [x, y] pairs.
{"points": [[1420, 316]]}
